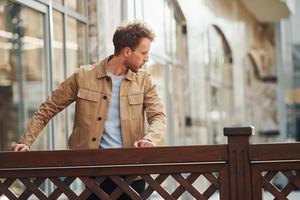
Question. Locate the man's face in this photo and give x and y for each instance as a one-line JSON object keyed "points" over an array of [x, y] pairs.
{"points": [[138, 57]]}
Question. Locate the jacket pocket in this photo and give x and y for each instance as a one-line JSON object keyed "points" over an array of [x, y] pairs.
{"points": [[88, 94], [87, 101], [135, 99], [135, 106]]}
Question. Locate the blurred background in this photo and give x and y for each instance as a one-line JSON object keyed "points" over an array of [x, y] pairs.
{"points": [[216, 63]]}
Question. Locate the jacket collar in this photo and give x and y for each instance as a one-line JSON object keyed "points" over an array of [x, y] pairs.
{"points": [[102, 70]]}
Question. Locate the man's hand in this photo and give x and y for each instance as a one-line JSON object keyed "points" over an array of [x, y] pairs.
{"points": [[19, 147], [143, 143]]}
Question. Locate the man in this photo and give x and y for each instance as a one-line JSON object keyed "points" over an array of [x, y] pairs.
{"points": [[111, 99]]}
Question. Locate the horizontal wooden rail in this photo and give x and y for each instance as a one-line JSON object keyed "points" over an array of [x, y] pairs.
{"points": [[128, 170], [126, 156], [276, 151], [277, 166]]}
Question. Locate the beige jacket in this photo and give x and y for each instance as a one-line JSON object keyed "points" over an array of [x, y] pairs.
{"points": [[91, 88]]}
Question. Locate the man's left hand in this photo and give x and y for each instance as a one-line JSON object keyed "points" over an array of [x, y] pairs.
{"points": [[143, 143]]}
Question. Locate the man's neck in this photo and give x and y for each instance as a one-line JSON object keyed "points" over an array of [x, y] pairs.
{"points": [[116, 66]]}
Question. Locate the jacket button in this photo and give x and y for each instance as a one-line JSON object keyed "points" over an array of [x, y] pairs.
{"points": [[94, 139], [104, 97], [99, 118]]}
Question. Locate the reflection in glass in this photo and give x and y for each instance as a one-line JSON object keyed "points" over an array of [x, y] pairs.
{"points": [[76, 43], [131, 9], [58, 58], [139, 9], [59, 1], [76, 55], [158, 75], [220, 96], [169, 35], [60, 121], [156, 22], [22, 67], [77, 5]]}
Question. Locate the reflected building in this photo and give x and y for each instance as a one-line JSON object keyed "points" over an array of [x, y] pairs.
{"points": [[290, 45], [41, 44]]}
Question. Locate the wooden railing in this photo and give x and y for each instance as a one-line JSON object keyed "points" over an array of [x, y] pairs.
{"points": [[234, 171]]}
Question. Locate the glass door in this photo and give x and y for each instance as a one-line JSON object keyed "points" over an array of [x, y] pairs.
{"points": [[22, 70]]}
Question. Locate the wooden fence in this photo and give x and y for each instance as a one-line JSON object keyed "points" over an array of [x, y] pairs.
{"points": [[238, 170]]}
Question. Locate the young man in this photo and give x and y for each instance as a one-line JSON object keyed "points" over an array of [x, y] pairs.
{"points": [[111, 99]]}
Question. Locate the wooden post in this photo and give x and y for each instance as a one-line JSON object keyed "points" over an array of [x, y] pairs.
{"points": [[238, 162]]}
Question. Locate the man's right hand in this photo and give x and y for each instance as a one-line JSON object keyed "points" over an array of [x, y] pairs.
{"points": [[19, 147]]}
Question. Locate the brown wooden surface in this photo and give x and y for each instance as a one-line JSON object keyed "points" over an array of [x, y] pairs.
{"points": [[124, 170], [180, 190], [256, 184], [239, 166], [239, 131], [123, 156], [224, 184], [294, 182], [277, 166], [114, 163], [57, 192], [238, 170], [279, 151]]}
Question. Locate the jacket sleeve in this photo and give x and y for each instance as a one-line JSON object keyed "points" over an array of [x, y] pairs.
{"points": [[59, 99], [155, 113]]}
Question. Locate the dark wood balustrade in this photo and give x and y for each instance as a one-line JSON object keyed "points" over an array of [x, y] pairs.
{"points": [[238, 170]]}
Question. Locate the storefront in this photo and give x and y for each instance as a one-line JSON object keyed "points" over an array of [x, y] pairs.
{"points": [[42, 42]]}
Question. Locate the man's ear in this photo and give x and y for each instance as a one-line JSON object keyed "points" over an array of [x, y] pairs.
{"points": [[127, 51]]}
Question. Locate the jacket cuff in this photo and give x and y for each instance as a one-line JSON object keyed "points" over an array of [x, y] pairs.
{"points": [[24, 142]]}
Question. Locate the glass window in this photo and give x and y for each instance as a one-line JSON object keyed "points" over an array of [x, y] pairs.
{"points": [[139, 9], [173, 37], [76, 55], [108, 26], [157, 71], [58, 76], [169, 34], [220, 87], [216, 55], [22, 66], [76, 43], [179, 117], [58, 53], [156, 22], [59, 1], [77, 5]]}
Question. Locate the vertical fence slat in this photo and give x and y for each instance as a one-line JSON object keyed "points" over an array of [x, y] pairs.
{"points": [[224, 184], [256, 183]]}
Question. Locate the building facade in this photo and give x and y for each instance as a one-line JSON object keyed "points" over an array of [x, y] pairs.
{"points": [[234, 67]]}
